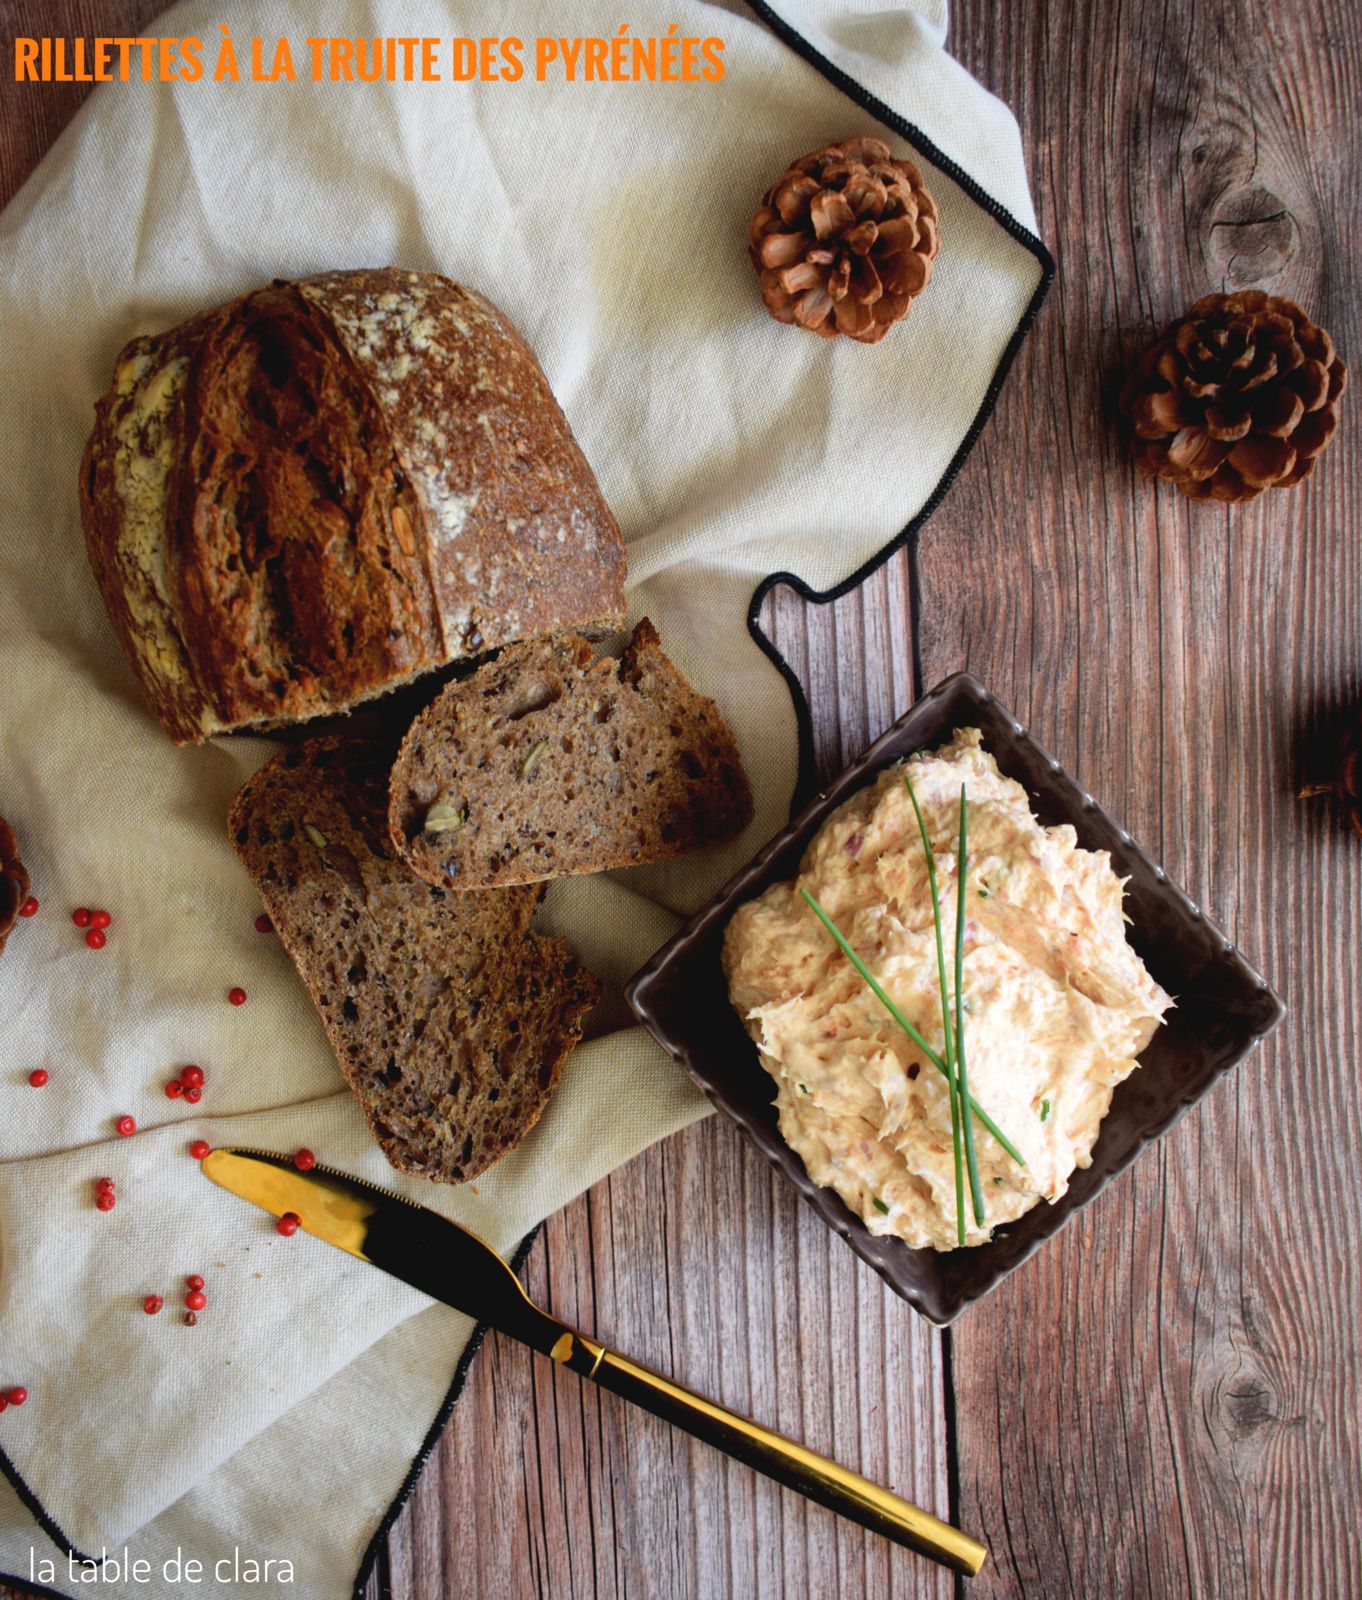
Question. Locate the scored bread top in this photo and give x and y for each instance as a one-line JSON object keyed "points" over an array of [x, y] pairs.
{"points": [[325, 488], [450, 1017], [550, 761]]}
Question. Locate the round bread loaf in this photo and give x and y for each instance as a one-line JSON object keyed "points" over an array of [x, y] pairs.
{"points": [[328, 487]]}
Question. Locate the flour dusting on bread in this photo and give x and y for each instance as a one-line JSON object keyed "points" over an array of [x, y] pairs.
{"points": [[322, 490]]}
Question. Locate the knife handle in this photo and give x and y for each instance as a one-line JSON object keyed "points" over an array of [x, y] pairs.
{"points": [[809, 1474]]}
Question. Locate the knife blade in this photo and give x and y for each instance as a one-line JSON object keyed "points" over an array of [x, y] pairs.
{"points": [[407, 1241], [452, 1265]]}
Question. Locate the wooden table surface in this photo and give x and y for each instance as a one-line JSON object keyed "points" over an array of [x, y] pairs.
{"points": [[1165, 1400]]}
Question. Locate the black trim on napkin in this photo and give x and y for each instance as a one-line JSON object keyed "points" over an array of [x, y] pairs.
{"points": [[807, 775], [807, 781], [40, 1516], [432, 1438], [375, 1546]]}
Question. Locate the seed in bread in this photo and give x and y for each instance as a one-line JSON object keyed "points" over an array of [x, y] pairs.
{"points": [[327, 488], [551, 761], [450, 1017]]}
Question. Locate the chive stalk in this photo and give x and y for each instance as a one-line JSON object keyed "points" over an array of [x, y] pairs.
{"points": [[952, 1076], [927, 1050], [971, 1154]]}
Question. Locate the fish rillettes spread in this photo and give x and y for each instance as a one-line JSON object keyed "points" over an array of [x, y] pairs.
{"points": [[1057, 1006]]}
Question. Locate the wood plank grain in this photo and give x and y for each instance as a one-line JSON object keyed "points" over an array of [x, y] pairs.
{"points": [[1164, 1401]]}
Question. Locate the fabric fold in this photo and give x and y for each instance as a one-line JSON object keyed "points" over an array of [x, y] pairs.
{"points": [[730, 448]]}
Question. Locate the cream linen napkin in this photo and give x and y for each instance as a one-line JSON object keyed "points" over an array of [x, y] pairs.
{"points": [[609, 221]]}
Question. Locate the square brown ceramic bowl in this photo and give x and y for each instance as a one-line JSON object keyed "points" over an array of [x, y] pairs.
{"points": [[1224, 1008]]}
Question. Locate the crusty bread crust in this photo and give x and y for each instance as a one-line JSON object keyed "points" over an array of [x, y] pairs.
{"points": [[550, 761], [450, 1017], [14, 882], [326, 488]]}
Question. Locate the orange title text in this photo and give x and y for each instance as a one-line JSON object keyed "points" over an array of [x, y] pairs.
{"points": [[621, 57]]}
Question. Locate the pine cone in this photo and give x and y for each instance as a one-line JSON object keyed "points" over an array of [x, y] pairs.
{"points": [[845, 241], [1346, 786], [1239, 395], [1348, 778], [14, 883]]}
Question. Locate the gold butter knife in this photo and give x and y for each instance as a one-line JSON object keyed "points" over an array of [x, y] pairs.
{"points": [[452, 1265]]}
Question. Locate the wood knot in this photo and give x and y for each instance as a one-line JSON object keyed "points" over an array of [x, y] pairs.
{"points": [[1248, 1404], [1251, 237], [1242, 1406]]}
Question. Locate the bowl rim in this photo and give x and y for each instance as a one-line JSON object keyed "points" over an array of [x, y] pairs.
{"points": [[854, 775]]}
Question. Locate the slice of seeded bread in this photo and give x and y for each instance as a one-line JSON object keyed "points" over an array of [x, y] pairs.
{"points": [[450, 1017], [549, 761]]}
